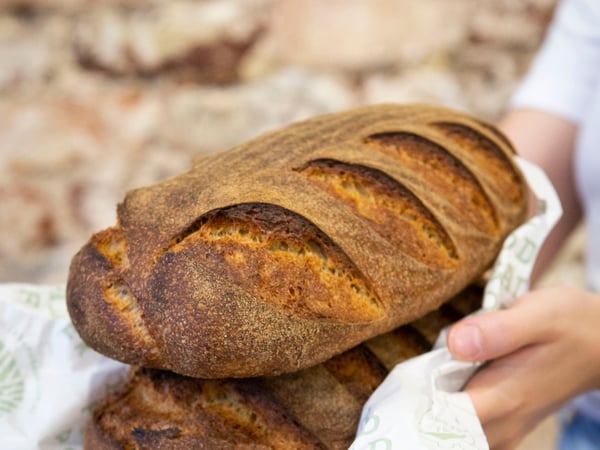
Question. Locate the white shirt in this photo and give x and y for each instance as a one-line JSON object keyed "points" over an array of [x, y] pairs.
{"points": [[565, 80]]}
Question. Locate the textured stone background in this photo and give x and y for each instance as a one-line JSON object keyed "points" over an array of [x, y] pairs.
{"points": [[97, 97]]}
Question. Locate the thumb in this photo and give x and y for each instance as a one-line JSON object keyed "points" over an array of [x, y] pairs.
{"points": [[493, 334], [466, 341]]}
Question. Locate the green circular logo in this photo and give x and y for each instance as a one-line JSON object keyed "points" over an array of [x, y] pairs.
{"points": [[12, 384]]}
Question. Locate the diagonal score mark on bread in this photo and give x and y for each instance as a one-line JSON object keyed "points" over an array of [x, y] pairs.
{"points": [[112, 245], [223, 400], [440, 168], [392, 208], [488, 128], [119, 296], [263, 246], [484, 152]]}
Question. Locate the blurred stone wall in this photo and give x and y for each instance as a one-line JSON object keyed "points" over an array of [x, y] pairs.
{"points": [[97, 97]]}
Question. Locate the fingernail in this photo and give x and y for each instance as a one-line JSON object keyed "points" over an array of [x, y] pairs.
{"points": [[467, 342]]}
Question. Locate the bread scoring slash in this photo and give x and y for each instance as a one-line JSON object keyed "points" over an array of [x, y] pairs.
{"points": [[298, 245]]}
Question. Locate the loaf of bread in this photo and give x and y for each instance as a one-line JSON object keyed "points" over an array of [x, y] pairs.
{"points": [[300, 244], [315, 408]]}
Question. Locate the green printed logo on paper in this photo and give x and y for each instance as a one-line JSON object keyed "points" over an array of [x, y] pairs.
{"points": [[12, 384]]}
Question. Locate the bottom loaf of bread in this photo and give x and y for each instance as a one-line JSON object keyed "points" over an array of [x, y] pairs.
{"points": [[316, 408]]}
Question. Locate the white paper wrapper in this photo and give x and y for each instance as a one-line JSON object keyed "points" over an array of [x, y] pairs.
{"points": [[50, 381], [419, 405]]}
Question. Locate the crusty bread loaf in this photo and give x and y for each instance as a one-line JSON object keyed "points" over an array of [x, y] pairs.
{"points": [[298, 245], [315, 408]]}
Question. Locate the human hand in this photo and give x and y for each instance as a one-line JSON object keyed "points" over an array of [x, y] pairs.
{"points": [[545, 351]]}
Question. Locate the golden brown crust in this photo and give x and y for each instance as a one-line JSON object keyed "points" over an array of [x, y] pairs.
{"points": [[300, 244], [315, 408], [158, 409]]}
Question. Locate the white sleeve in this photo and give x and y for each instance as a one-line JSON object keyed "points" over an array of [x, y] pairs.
{"points": [[566, 70]]}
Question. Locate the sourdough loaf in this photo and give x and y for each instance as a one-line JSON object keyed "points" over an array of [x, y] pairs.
{"points": [[315, 408], [298, 245]]}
